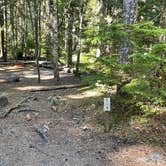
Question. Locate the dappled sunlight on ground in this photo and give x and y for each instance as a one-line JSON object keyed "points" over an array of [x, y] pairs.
{"points": [[77, 121], [15, 67], [45, 75], [2, 80], [85, 94], [134, 155]]}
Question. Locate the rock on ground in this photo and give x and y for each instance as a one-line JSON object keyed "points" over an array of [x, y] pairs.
{"points": [[12, 78]]}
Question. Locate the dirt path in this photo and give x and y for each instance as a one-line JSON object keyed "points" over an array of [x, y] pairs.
{"points": [[37, 134], [67, 142]]}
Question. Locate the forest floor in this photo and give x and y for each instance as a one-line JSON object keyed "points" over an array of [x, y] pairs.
{"points": [[35, 133]]}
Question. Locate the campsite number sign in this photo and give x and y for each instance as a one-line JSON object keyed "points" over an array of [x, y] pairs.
{"points": [[107, 104]]}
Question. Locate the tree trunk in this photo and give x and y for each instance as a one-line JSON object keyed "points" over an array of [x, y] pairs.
{"points": [[100, 50], [36, 23], [25, 32], [130, 14], [2, 31], [12, 16], [3, 44], [79, 35], [70, 38], [163, 21], [54, 8], [162, 39], [3, 24], [40, 38]]}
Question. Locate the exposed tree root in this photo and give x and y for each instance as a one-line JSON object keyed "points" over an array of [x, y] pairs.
{"points": [[13, 107]]}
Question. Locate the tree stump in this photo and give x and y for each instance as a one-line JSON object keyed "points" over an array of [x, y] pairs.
{"points": [[3, 101]]}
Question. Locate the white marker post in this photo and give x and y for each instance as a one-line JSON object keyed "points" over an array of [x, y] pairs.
{"points": [[107, 109], [107, 104]]}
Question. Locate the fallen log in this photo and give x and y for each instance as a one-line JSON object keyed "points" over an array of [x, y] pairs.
{"points": [[7, 63], [50, 88]]}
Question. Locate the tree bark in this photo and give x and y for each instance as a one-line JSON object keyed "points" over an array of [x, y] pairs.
{"points": [[54, 8], [130, 15], [162, 39], [163, 21], [100, 50], [3, 22], [2, 31], [25, 32], [12, 16], [79, 35], [70, 38], [36, 23]]}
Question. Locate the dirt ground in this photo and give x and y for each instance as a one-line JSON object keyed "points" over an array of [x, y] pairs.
{"points": [[68, 138]]}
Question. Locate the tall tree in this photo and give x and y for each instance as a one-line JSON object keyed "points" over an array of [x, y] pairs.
{"points": [[163, 21], [54, 10], [36, 36], [12, 20], [3, 24], [161, 72], [100, 50], [70, 36], [81, 12], [130, 15]]}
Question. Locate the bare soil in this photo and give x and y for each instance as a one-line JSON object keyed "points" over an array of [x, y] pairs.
{"points": [[70, 139]]}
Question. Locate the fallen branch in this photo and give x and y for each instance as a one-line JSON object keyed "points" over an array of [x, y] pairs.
{"points": [[13, 107], [56, 87], [27, 110]]}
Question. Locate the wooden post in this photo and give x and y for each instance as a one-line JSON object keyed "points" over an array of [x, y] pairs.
{"points": [[107, 109]]}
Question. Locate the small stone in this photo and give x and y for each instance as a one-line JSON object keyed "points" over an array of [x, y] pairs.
{"points": [[85, 128], [45, 128], [35, 99], [99, 152], [93, 106], [31, 146], [54, 108], [28, 117]]}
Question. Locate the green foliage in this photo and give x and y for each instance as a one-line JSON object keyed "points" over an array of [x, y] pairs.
{"points": [[98, 78], [101, 70], [47, 51], [137, 87], [150, 10], [30, 42], [148, 60], [159, 49]]}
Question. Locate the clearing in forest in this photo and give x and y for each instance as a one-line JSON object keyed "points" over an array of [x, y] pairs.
{"points": [[55, 127]]}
